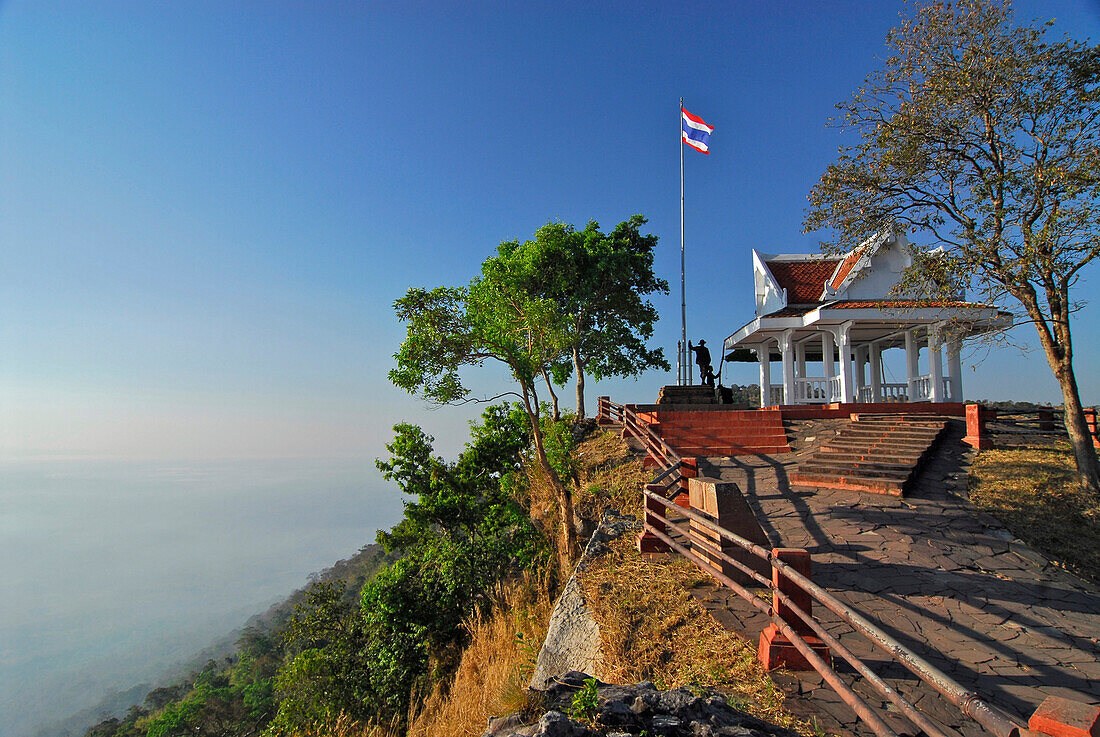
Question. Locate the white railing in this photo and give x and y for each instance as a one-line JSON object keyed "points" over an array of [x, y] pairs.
{"points": [[775, 394], [887, 392], [836, 394], [900, 392], [812, 390], [895, 392]]}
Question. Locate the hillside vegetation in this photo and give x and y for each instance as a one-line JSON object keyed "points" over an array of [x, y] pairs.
{"points": [[362, 649], [438, 627]]}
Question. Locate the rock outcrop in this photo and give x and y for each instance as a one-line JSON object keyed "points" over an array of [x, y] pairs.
{"points": [[573, 637], [622, 711]]}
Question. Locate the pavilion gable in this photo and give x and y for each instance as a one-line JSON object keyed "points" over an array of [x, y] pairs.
{"points": [[869, 271], [842, 313]]}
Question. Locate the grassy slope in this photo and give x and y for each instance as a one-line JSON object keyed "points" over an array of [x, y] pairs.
{"points": [[1033, 491], [652, 628]]}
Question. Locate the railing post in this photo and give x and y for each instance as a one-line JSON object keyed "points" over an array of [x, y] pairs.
{"points": [[976, 436], [775, 648], [689, 469], [603, 409], [724, 505], [1046, 420], [653, 515], [1090, 420]]}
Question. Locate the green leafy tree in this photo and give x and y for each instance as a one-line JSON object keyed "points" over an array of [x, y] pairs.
{"points": [[496, 319], [328, 672], [986, 136], [598, 283], [455, 499], [462, 533]]}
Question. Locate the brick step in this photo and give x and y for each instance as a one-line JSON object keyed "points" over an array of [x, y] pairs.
{"points": [[716, 419], [730, 450], [916, 433], [872, 440], [899, 419], [853, 482], [896, 419], [729, 443], [729, 425], [892, 432], [748, 429], [886, 446], [899, 471], [737, 437], [721, 432], [739, 414], [869, 455], [881, 455]]}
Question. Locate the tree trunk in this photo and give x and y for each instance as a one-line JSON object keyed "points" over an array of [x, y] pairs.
{"points": [[579, 367], [1084, 452], [567, 532], [553, 396], [1059, 355]]}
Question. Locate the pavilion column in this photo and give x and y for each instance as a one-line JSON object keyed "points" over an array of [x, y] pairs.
{"points": [[954, 369], [860, 370], [786, 348], [876, 372], [827, 363], [912, 352], [844, 332], [935, 363], [763, 353], [800, 360]]}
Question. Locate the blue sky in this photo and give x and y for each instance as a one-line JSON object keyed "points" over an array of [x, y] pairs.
{"points": [[208, 209]]}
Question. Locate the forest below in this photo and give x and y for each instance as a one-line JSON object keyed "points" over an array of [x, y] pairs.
{"points": [[374, 634]]}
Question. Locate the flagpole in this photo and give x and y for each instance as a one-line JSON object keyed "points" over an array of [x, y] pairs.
{"points": [[685, 376]]}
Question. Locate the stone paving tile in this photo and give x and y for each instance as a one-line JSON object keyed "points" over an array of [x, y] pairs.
{"points": [[945, 580]]}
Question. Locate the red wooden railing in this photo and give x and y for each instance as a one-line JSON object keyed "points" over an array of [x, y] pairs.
{"points": [[792, 594]]}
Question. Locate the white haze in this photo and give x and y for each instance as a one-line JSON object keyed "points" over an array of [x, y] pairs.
{"points": [[110, 572]]}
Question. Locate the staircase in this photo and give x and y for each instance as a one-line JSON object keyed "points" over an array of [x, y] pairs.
{"points": [[724, 432], [882, 454]]}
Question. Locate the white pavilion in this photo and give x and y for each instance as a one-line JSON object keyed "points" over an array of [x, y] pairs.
{"points": [[828, 319]]}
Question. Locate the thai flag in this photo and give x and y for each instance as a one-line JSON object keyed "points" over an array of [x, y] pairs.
{"points": [[696, 133]]}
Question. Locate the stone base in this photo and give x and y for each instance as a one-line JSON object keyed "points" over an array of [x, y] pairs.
{"points": [[1064, 718], [650, 543], [694, 394], [776, 650], [981, 442]]}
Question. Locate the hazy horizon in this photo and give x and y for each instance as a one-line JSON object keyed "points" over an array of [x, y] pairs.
{"points": [[115, 571]]}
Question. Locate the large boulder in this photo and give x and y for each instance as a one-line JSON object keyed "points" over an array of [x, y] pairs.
{"points": [[636, 709]]}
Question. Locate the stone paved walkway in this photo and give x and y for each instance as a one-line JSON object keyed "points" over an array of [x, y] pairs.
{"points": [[946, 580]]}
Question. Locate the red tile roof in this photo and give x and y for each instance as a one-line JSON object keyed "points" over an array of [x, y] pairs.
{"points": [[846, 267], [803, 280], [856, 304], [794, 311], [885, 304]]}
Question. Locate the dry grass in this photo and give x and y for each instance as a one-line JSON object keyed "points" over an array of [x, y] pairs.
{"points": [[653, 629], [496, 667], [345, 726], [610, 476], [1033, 490]]}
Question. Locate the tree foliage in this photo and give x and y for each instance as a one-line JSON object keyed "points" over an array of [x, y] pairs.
{"points": [[984, 135], [495, 318], [598, 283]]}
